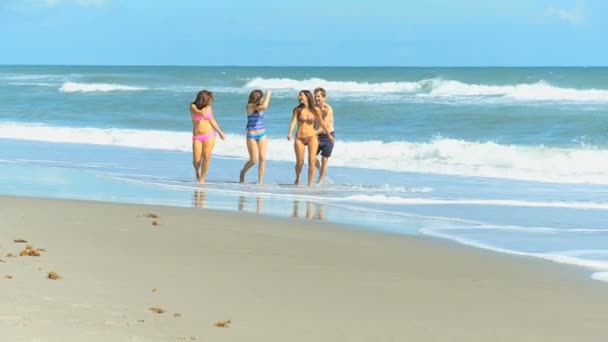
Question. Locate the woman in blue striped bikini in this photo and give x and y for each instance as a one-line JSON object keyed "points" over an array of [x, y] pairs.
{"points": [[256, 133]]}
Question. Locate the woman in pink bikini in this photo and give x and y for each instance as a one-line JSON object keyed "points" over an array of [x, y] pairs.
{"points": [[304, 115], [204, 129]]}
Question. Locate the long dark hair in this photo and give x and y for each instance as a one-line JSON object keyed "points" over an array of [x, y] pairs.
{"points": [[255, 97], [203, 99], [310, 101]]}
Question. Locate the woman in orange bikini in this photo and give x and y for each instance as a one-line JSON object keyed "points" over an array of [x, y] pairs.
{"points": [[305, 115], [204, 129]]}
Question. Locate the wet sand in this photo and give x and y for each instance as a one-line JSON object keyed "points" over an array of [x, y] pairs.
{"points": [[274, 279]]}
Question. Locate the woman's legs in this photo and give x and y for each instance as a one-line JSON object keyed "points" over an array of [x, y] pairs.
{"points": [[262, 158], [197, 148], [207, 147], [312, 158], [299, 149], [252, 148]]}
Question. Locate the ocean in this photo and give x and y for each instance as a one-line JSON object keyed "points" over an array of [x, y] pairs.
{"points": [[508, 159]]}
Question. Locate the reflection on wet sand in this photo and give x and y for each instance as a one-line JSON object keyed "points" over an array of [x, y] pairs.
{"points": [[243, 201], [320, 212], [313, 210], [198, 199]]}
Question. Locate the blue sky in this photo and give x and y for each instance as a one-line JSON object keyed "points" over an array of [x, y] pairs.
{"points": [[282, 32]]}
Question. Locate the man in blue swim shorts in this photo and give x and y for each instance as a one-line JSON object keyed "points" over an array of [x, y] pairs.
{"points": [[326, 146]]}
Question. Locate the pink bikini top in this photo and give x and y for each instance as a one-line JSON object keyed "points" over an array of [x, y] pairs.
{"points": [[199, 117]]}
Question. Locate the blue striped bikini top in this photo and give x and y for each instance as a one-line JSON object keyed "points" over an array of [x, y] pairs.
{"points": [[255, 121]]}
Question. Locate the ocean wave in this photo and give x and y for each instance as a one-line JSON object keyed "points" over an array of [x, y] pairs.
{"points": [[37, 84], [438, 156], [411, 91], [438, 89], [33, 77], [339, 86], [73, 87], [540, 91]]}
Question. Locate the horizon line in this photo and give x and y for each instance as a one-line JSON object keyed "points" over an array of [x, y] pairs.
{"points": [[307, 66]]}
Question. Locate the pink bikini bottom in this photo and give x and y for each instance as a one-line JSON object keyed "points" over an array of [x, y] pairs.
{"points": [[203, 137]]}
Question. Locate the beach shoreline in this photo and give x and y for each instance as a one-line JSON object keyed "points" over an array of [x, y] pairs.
{"points": [[275, 279], [477, 156]]}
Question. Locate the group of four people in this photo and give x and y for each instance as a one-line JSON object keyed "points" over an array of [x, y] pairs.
{"points": [[313, 117]]}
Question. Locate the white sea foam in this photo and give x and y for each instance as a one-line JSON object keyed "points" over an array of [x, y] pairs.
{"points": [[437, 89], [32, 77], [602, 276], [379, 188], [481, 202], [439, 156], [540, 91], [432, 89], [341, 86], [588, 259], [165, 140], [38, 84], [210, 187], [72, 164], [73, 87]]}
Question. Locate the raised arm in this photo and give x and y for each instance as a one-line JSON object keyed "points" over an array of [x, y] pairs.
{"points": [[251, 108], [265, 100], [294, 121], [215, 126]]}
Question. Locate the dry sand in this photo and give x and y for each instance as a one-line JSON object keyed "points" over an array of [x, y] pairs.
{"points": [[274, 279]]}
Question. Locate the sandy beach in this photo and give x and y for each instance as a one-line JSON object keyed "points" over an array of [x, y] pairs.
{"points": [[274, 279]]}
